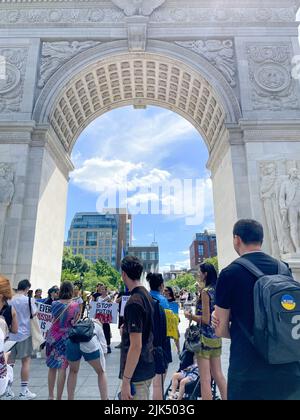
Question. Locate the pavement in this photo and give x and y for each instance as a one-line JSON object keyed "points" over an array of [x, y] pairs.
{"points": [[87, 387]]}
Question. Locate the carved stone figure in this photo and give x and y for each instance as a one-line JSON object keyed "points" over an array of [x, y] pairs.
{"points": [[268, 194], [220, 53], [7, 188], [56, 54], [138, 7], [290, 205]]}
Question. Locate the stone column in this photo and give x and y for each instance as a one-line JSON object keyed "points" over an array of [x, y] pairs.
{"points": [[34, 227]]}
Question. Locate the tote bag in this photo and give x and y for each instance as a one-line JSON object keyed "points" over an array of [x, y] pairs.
{"points": [[36, 335]]}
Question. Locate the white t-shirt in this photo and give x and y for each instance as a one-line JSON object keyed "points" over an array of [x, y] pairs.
{"points": [[78, 300], [21, 304], [98, 342]]}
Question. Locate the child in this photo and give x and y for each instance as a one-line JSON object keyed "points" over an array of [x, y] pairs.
{"points": [[181, 379]]}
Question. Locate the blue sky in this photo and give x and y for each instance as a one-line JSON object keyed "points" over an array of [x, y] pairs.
{"points": [[147, 147]]}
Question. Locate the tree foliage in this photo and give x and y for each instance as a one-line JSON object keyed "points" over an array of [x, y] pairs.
{"points": [[75, 267]]}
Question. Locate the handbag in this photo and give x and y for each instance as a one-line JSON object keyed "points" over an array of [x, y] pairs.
{"points": [[36, 335], [193, 338], [82, 331]]}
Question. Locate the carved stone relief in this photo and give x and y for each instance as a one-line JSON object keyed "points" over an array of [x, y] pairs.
{"points": [[220, 53], [280, 196], [11, 86], [106, 12], [270, 69], [7, 190], [56, 54], [138, 7]]}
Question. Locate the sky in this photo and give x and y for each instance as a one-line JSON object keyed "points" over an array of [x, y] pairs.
{"points": [[144, 149]]}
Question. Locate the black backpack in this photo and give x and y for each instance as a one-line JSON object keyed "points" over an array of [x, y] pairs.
{"points": [[82, 331], [159, 328], [276, 334]]}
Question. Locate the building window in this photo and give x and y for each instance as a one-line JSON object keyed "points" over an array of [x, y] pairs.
{"points": [[74, 243], [81, 243], [91, 239], [201, 250], [75, 234], [80, 251]]}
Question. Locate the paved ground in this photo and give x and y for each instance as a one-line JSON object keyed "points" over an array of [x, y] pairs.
{"points": [[87, 388]]}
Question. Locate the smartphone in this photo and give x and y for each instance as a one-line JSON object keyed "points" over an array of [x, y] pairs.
{"points": [[132, 390]]}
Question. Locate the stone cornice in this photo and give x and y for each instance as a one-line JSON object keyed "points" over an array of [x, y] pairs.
{"points": [[44, 135], [273, 131]]}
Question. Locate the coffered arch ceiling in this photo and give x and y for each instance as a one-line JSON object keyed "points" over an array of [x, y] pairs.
{"points": [[139, 80]]}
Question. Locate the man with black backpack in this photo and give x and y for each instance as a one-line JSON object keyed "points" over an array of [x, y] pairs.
{"points": [[137, 368], [258, 307]]}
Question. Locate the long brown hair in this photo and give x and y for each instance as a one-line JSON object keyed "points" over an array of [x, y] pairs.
{"points": [[5, 288]]}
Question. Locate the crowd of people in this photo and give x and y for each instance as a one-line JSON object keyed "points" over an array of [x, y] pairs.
{"points": [[224, 307]]}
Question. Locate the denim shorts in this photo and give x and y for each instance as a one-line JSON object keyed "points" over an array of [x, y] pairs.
{"points": [[74, 354]]}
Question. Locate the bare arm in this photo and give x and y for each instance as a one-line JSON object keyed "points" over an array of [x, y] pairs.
{"points": [[133, 358], [14, 324], [205, 308], [222, 322]]}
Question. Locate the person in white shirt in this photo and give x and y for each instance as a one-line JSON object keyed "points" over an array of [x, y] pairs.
{"points": [[93, 352], [23, 349], [6, 371]]}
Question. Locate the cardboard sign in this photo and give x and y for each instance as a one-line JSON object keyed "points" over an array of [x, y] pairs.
{"points": [[44, 315], [107, 313], [125, 299]]}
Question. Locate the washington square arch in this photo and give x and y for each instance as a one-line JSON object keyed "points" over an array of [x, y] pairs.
{"points": [[227, 66]]}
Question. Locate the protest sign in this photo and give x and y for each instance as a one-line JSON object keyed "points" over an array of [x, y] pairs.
{"points": [[107, 313], [44, 315]]}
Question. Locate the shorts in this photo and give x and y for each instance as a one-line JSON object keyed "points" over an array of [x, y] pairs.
{"points": [[142, 390], [211, 348], [74, 354], [22, 350]]}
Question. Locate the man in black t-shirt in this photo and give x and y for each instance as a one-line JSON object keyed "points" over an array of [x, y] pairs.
{"points": [[137, 368], [250, 377]]}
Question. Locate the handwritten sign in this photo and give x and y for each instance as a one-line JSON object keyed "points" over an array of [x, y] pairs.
{"points": [[125, 299], [44, 315], [107, 313]]}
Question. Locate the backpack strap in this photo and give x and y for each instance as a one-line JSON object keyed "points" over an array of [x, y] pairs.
{"points": [[283, 269], [249, 266]]}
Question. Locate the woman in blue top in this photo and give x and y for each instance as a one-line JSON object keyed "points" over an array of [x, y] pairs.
{"points": [[169, 294], [156, 282]]}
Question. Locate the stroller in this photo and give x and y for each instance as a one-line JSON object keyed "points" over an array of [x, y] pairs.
{"points": [[193, 389]]}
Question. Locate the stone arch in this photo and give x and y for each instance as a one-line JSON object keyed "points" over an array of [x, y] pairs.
{"points": [[108, 76]]}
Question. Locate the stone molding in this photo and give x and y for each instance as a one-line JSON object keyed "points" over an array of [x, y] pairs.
{"points": [[53, 13]]}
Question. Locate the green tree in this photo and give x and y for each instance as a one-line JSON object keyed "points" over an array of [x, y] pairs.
{"points": [[106, 271], [184, 281], [214, 262]]}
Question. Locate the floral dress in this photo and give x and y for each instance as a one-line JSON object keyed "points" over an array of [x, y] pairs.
{"points": [[211, 344], [58, 334]]}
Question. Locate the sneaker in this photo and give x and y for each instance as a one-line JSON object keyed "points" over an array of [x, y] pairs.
{"points": [[9, 395], [108, 350], [118, 346], [27, 395]]}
